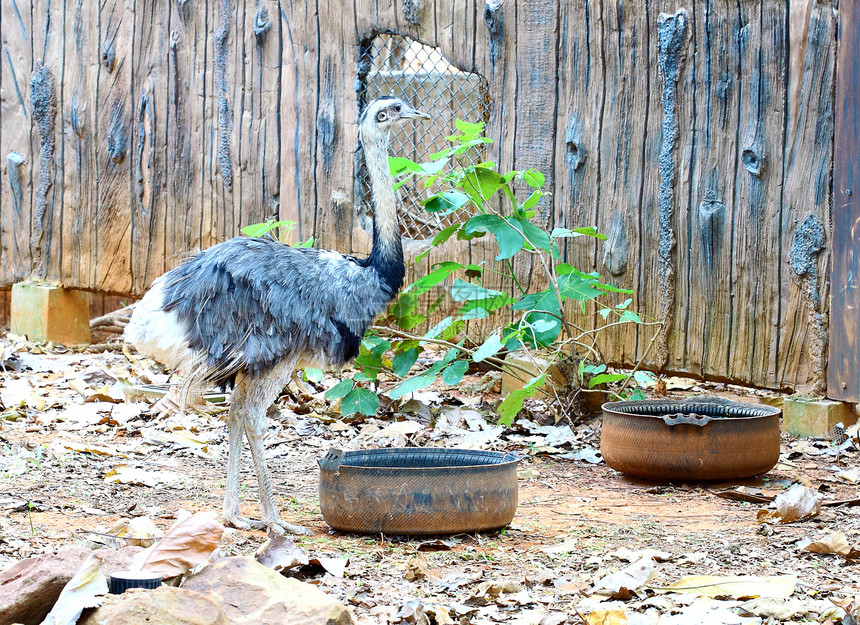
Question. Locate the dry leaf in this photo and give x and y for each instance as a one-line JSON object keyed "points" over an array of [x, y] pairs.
{"points": [[797, 503], [84, 590], [139, 531], [606, 617], [737, 587], [127, 474], [185, 545], [280, 552], [622, 584], [335, 566]]}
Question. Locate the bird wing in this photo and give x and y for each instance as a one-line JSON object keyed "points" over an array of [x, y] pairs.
{"points": [[249, 304]]}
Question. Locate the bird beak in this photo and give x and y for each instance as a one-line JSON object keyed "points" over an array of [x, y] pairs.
{"points": [[407, 113]]}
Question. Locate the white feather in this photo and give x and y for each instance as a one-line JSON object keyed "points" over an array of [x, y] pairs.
{"points": [[158, 333]]}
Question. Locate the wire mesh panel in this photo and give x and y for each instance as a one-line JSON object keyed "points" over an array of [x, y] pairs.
{"points": [[397, 65]]}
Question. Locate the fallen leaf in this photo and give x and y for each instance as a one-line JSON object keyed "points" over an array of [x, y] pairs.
{"points": [[675, 383], [629, 555], [85, 590], [127, 474], [280, 553], [606, 617], [139, 531], [622, 584], [835, 542], [185, 545], [786, 609], [737, 587], [797, 503], [335, 566]]}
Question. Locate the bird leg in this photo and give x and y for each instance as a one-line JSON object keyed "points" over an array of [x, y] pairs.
{"points": [[248, 404]]}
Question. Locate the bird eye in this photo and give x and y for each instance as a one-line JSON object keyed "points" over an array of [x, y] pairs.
{"points": [[381, 116], [397, 108]]}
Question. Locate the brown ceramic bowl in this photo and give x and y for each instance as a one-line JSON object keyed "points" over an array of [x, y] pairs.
{"points": [[695, 439], [417, 491]]}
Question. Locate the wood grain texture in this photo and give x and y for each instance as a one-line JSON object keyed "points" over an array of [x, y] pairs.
{"points": [[179, 122], [843, 376]]}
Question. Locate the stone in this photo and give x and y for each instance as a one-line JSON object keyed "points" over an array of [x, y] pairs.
{"points": [[165, 605], [29, 588], [250, 593], [805, 416], [533, 365], [48, 312]]}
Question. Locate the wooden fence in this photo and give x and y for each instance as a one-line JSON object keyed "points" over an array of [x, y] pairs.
{"points": [[698, 135]]}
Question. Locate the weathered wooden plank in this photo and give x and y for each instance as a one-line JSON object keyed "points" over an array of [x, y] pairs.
{"points": [[627, 58], [80, 144], [807, 195], [114, 112], [717, 32], [755, 277], [263, 50], [46, 80], [843, 374], [15, 148], [582, 94], [190, 86], [289, 169], [149, 133]]}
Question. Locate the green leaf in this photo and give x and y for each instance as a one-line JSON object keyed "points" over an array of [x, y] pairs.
{"points": [[603, 378], [509, 240], [463, 291], [475, 312], [405, 305], [644, 378], [403, 362], [439, 328], [455, 372], [339, 390], [586, 231], [481, 184], [536, 236], [438, 275], [359, 400], [490, 348], [513, 403], [469, 128], [542, 300], [446, 202], [410, 385], [533, 178], [313, 375], [399, 164], [577, 286], [488, 303], [629, 315], [531, 201], [445, 234]]}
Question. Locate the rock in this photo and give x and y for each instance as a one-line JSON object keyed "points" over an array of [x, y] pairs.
{"points": [[249, 593], [165, 605], [29, 588]]}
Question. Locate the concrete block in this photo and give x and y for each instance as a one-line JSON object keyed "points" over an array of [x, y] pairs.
{"points": [[533, 365], [46, 312], [804, 416]]}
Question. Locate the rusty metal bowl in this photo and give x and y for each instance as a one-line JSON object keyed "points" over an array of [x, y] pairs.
{"points": [[695, 439], [417, 491]]}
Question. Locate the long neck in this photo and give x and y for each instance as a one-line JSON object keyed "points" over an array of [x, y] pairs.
{"points": [[386, 256]]}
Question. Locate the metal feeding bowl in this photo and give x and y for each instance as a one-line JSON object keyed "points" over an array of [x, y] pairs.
{"points": [[694, 439], [417, 491]]}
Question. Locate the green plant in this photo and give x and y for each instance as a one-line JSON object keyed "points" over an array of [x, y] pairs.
{"points": [[483, 202], [281, 231]]}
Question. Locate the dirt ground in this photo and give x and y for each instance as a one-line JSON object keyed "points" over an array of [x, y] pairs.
{"points": [[64, 427]]}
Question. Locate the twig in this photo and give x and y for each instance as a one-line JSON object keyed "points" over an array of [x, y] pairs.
{"points": [[641, 360]]}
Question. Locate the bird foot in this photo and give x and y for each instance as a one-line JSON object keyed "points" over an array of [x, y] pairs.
{"points": [[168, 405], [276, 526]]}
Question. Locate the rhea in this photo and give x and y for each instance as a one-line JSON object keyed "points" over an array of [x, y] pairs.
{"points": [[252, 311]]}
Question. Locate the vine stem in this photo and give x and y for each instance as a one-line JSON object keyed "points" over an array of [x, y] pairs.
{"points": [[641, 360]]}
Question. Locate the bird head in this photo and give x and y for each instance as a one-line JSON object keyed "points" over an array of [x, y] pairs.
{"points": [[385, 114]]}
